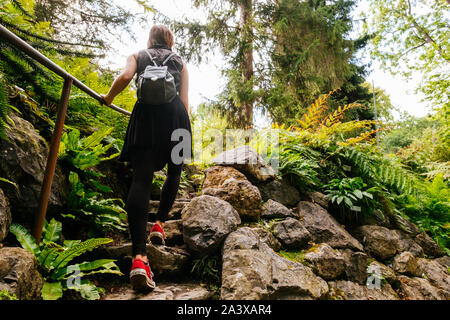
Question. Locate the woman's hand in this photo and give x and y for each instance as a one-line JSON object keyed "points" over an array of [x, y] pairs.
{"points": [[107, 99]]}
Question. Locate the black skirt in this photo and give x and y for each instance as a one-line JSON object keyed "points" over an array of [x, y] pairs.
{"points": [[151, 127]]}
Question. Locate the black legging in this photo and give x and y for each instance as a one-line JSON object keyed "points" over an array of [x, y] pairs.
{"points": [[139, 197]]}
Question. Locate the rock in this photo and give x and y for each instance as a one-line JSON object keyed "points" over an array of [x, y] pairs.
{"points": [[215, 176], [174, 213], [253, 271], [19, 273], [164, 291], [378, 241], [168, 261], [326, 262], [206, 222], [355, 265], [248, 161], [280, 192], [242, 195], [23, 160], [164, 261], [324, 228], [406, 243], [173, 230], [405, 263], [272, 210], [420, 289], [5, 216], [319, 198], [377, 218], [267, 237], [380, 270], [443, 261], [195, 174], [430, 247], [347, 290], [435, 273], [291, 233]]}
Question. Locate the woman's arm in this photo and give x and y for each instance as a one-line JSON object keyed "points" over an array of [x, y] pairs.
{"points": [[122, 80], [184, 88]]}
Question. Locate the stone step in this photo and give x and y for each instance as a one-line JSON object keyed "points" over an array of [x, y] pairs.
{"points": [[163, 291], [173, 230], [164, 261]]}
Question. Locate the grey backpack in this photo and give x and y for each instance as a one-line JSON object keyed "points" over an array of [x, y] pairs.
{"points": [[155, 84]]}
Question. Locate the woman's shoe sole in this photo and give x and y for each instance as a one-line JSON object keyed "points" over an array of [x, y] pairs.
{"points": [[157, 238], [140, 281]]}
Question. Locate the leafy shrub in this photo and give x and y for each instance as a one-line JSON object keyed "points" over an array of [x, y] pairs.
{"points": [[86, 152], [104, 214], [208, 269], [54, 259], [5, 295], [351, 198]]}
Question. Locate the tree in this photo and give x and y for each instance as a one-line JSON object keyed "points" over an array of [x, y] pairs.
{"points": [[314, 54], [234, 28], [411, 38]]}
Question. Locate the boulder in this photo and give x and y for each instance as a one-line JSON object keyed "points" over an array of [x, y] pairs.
{"points": [[406, 263], [324, 228], [242, 195], [267, 237], [5, 216], [420, 289], [378, 241], [251, 270], [23, 160], [347, 290], [430, 247], [279, 191], [377, 218], [272, 210], [216, 175], [325, 261], [443, 261], [19, 273], [355, 265], [381, 271], [319, 198], [291, 233], [248, 161], [406, 243], [206, 222], [435, 273]]}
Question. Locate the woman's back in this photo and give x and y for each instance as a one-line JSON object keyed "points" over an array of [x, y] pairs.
{"points": [[159, 54]]}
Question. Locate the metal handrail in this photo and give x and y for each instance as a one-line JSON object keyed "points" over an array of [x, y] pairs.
{"points": [[69, 80], [42, 59]]}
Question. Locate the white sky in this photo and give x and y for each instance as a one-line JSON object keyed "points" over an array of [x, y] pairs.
{"points": [[205, 79]]}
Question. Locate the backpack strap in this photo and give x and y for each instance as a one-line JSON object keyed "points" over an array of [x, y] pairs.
{"points": [[168, 58], [151, 58]]}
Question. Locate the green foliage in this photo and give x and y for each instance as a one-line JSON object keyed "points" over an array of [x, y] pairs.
{"points": [[54, 259], [86, 152], [411, 38], [84, 204], [351, 198], [5, 295], [430, 210], [208, 269], [4, 107]]}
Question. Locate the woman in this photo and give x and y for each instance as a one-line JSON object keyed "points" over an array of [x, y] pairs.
{"points": [[148, 146]]}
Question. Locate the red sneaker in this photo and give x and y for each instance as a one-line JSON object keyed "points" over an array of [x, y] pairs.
{"points": [[141, 277], [157, 235]]}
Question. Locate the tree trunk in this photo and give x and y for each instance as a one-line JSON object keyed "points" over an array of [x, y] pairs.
{"points": [[246, 9]]}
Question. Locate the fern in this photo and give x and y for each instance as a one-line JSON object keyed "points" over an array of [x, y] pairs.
{"points": [[90, 244]]}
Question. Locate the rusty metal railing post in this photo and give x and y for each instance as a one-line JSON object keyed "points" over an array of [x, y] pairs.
{"points": [[51, 161]]}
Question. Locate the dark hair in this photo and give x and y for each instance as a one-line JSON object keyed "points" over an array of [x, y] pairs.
{"points": [[161, 35]]}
